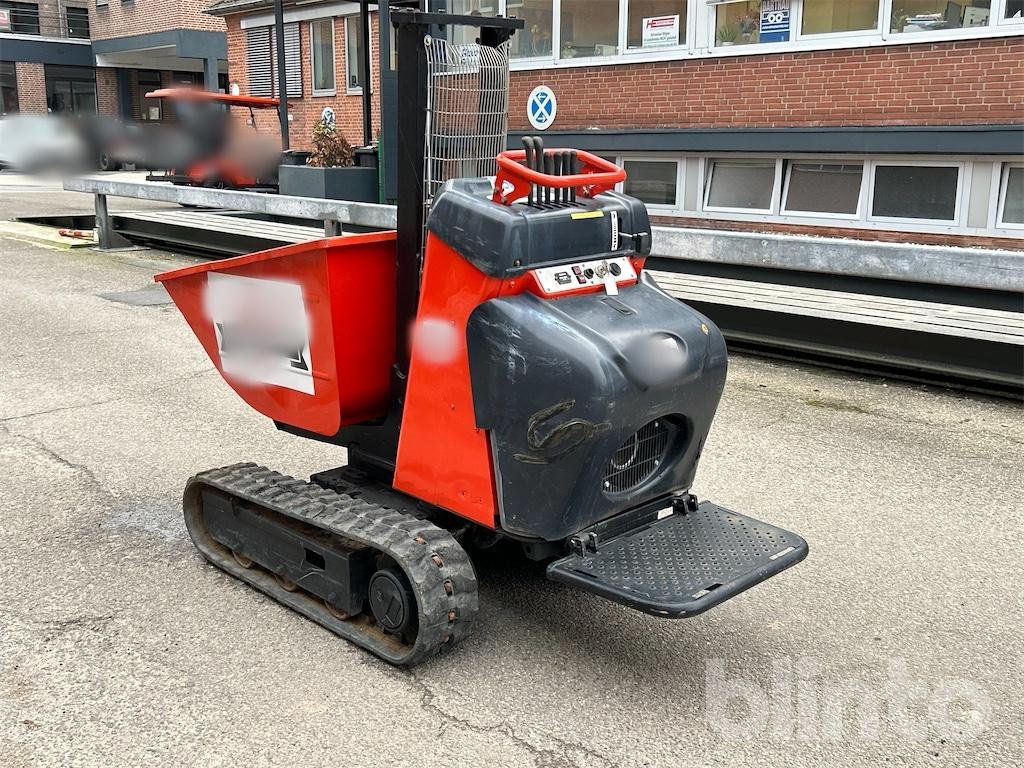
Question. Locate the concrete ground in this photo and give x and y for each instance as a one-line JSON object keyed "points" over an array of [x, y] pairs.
{"points": [[898, 642]]}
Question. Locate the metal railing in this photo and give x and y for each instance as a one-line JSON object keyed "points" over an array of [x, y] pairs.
{"points": [[63, 21], [333, 213]]}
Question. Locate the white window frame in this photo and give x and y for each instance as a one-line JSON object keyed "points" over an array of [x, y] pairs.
{"points": [[999, 205], [536, 62], [556, 40], [704, 179], [1001, 17], [312, 61], [797, 24], [962, 183], [358, 90], [700, 37], [797, 40], [835, 221], [861, 195], [677, 206], [934, 34], [686, 29]]}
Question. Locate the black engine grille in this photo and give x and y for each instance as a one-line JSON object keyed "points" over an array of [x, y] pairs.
{"points": [[638, 458]]}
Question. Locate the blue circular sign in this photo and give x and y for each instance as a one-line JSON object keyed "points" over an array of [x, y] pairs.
{"points": [[541, 107]]}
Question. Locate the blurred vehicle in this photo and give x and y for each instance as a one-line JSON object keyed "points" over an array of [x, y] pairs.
{"points": [[43, 143], [210, 150]]}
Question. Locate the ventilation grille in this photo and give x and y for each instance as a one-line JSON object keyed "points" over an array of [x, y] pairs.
{"points": [[638, 458]]}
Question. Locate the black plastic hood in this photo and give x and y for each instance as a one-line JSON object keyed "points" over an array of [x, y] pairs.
{"points": [[563, 384]]}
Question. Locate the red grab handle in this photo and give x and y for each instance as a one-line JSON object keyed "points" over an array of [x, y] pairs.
{"points": [[596, 176]]}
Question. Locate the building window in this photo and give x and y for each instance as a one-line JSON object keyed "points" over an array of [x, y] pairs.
{"points": [[933, 15], [829, 188], [1011, 197], [917, 192], [8, 88], [535, 38], [354, 55], [655, 23], [740, 185], [465, 35], [829, 17], [70, 90], [1014, 10], [78, 22], [321, 41], [751, 21], [261, 58], [589, 28], [652, 181], [24, 17], [257, 59], [149, 109]]}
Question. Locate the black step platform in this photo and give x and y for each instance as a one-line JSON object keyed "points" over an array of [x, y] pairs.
{"points": [[684, 563]]}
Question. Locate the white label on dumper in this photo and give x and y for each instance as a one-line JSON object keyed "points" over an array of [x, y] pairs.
{"points": [[262, 330]]}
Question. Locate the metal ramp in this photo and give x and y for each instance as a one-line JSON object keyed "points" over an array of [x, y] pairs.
{"points": [[979, 347], [224, 232]]}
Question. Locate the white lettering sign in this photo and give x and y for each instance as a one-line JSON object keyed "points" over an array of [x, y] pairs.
{"points": [[660, 31]]}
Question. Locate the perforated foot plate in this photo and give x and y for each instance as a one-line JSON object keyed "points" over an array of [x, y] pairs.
{"points": [[683, 564]]}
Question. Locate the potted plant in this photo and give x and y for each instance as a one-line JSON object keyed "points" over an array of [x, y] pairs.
{"points": [[728, 34], [329, 172]]}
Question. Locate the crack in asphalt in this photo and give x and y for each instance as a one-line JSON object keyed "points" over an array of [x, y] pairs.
{"points": [[559, 757], [39, 445], [566, 754], [120, 398]]}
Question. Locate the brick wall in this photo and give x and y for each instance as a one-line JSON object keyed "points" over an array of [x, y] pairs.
{"points": [[951, 83], [119, 19], [31, 86], [954, 83], [106, 92], [306, 111]]}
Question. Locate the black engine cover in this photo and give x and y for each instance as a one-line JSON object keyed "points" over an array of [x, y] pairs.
{"points": [[563, 384]]}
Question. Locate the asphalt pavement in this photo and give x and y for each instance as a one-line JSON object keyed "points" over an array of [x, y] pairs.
{"points": [[897, 642]]}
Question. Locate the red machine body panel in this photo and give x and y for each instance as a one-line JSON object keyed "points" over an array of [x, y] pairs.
{"points": [[305, 334], [438, 413]]}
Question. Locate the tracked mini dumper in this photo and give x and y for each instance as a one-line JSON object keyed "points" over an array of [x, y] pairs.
{"points": [[513, 373]]}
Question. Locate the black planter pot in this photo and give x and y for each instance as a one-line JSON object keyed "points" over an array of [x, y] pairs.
{"points": [[350, 183]]}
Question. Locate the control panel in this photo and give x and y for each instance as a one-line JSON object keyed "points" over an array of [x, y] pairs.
{"points": [[567, 278], [609, 273]]}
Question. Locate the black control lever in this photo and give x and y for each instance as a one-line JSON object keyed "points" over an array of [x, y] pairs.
{"points": [[566, 171], [574, 168], [530, 148], [559, 171], [549, 169], [538, 143], [641, 241]]}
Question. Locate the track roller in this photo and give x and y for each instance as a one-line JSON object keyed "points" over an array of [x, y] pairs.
{"points": [[396, 585]]}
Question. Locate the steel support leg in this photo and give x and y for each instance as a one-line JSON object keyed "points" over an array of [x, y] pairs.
{"points": [[107, 236]]}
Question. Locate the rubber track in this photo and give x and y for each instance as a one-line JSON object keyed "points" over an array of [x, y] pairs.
{"points": [[438, 569]]}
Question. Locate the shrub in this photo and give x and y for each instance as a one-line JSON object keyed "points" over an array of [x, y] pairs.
{"points": [[330, 148]]}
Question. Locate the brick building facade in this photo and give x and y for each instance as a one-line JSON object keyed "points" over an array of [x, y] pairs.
{"points": [[307, 109], [88, 56], [852, 118]]}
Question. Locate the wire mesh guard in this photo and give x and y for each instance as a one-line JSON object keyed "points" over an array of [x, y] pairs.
{"points": [[637, 458], [467, 111]]}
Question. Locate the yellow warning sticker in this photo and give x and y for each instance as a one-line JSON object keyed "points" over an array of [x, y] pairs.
{"points": [[587, 215]]}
